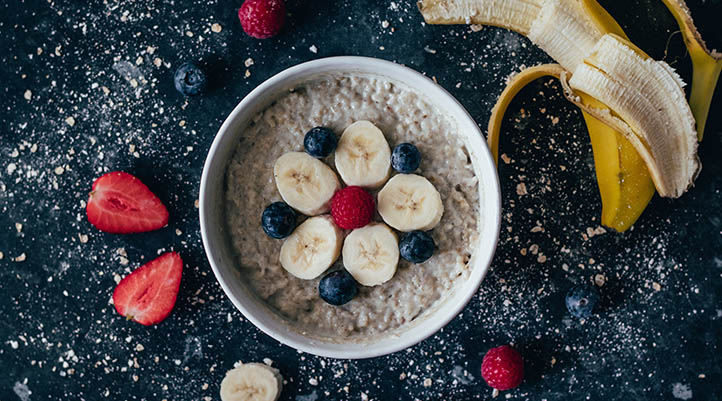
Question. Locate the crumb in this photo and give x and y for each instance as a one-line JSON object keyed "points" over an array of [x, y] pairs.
{"points": [[28, 94], [19, 227], [521, 189], [656, 286], [476, 27], [20, 258], [216, 28], [505, 158], [384, 24], [70, 121], [599, 280], [427, 382], [83, 238], [313, 49], [59, 170], [248, 62]]}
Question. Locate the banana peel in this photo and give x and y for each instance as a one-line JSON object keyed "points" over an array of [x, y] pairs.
{"points": [[706, 64], [624, 183]]}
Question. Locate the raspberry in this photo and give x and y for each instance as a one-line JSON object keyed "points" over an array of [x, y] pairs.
{"points": [[502, 368], [352, 207], [262, 18]]}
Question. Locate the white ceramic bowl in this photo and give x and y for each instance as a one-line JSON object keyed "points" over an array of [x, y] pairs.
{"points": [[217, 244]]}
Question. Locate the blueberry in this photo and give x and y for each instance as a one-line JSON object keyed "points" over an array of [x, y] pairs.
{"points": [[337, 287], [190, 79], [278, 220], [405, 158], [320, 142], [416, 246], [581, 300]]}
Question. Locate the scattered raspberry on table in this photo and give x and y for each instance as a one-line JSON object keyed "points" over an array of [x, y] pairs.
{"points": [[502, 368], [262, 18]]}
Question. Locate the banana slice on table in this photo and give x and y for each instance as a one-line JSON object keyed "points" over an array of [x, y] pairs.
{"points": [[311, 248], [363, 156], [410, 202], [305, 183], [251, 382], [371, 254]]}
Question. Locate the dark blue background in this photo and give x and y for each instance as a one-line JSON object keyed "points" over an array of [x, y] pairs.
{"points": [[657, 335]]}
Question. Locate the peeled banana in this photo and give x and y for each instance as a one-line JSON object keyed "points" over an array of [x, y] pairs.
{"points": [[251, 382], [629, 100]]}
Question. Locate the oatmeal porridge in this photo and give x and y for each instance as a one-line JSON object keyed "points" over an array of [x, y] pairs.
{"points": [[402, 115]]}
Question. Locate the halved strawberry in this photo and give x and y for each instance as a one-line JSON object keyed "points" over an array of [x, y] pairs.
{"points": [[121, 204], [147, 295]]}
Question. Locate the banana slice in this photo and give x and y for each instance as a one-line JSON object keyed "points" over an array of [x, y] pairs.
{"points": [[305, 183], [410, 202], [371, 254], [311, 248], [363, 156], [251, 382]]}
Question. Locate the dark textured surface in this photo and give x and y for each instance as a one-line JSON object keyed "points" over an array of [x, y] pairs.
{"points": [[656, 336]]}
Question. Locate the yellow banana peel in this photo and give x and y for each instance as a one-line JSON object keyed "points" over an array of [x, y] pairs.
{"points": [[706, 64], [624, 182]]}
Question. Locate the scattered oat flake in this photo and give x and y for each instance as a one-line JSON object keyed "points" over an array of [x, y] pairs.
{"points": [[70, 121], [249, 62], [157, 62], [599, 280], [21, 258], [83, 238], [150, 49], [427, 382], [313, 49], [216, 28], [656, 286], [28, 94], [521, 189], [476, 27], [19, 227], [505, 158], [384, 24], [139, 60], [2, 255], [312, 381], [59, 170]]}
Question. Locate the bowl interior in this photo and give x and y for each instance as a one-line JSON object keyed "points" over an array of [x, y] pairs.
{"points": [[220, 253]]}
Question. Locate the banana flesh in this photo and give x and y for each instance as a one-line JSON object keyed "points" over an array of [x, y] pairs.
{"points": [[312, 247], [371, 254], [251, 382], [410, 202], [648, 97], [564, 31], [706, 64], [516, 15], [624, 183]]}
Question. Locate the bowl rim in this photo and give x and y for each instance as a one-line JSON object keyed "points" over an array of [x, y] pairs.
{"points": [[434, 323]]}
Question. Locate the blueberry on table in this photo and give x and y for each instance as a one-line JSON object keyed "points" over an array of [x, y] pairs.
{"points": [[405, 158], [320, 142], [278, 220], [190, 79], [582, 299], [416, 246], [337, 288]]}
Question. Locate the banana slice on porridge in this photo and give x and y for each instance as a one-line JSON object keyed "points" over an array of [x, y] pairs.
{"points": [[312, 247], [305, 183], [363, 157], [371, 254], [251, 382], [410, 202]]}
